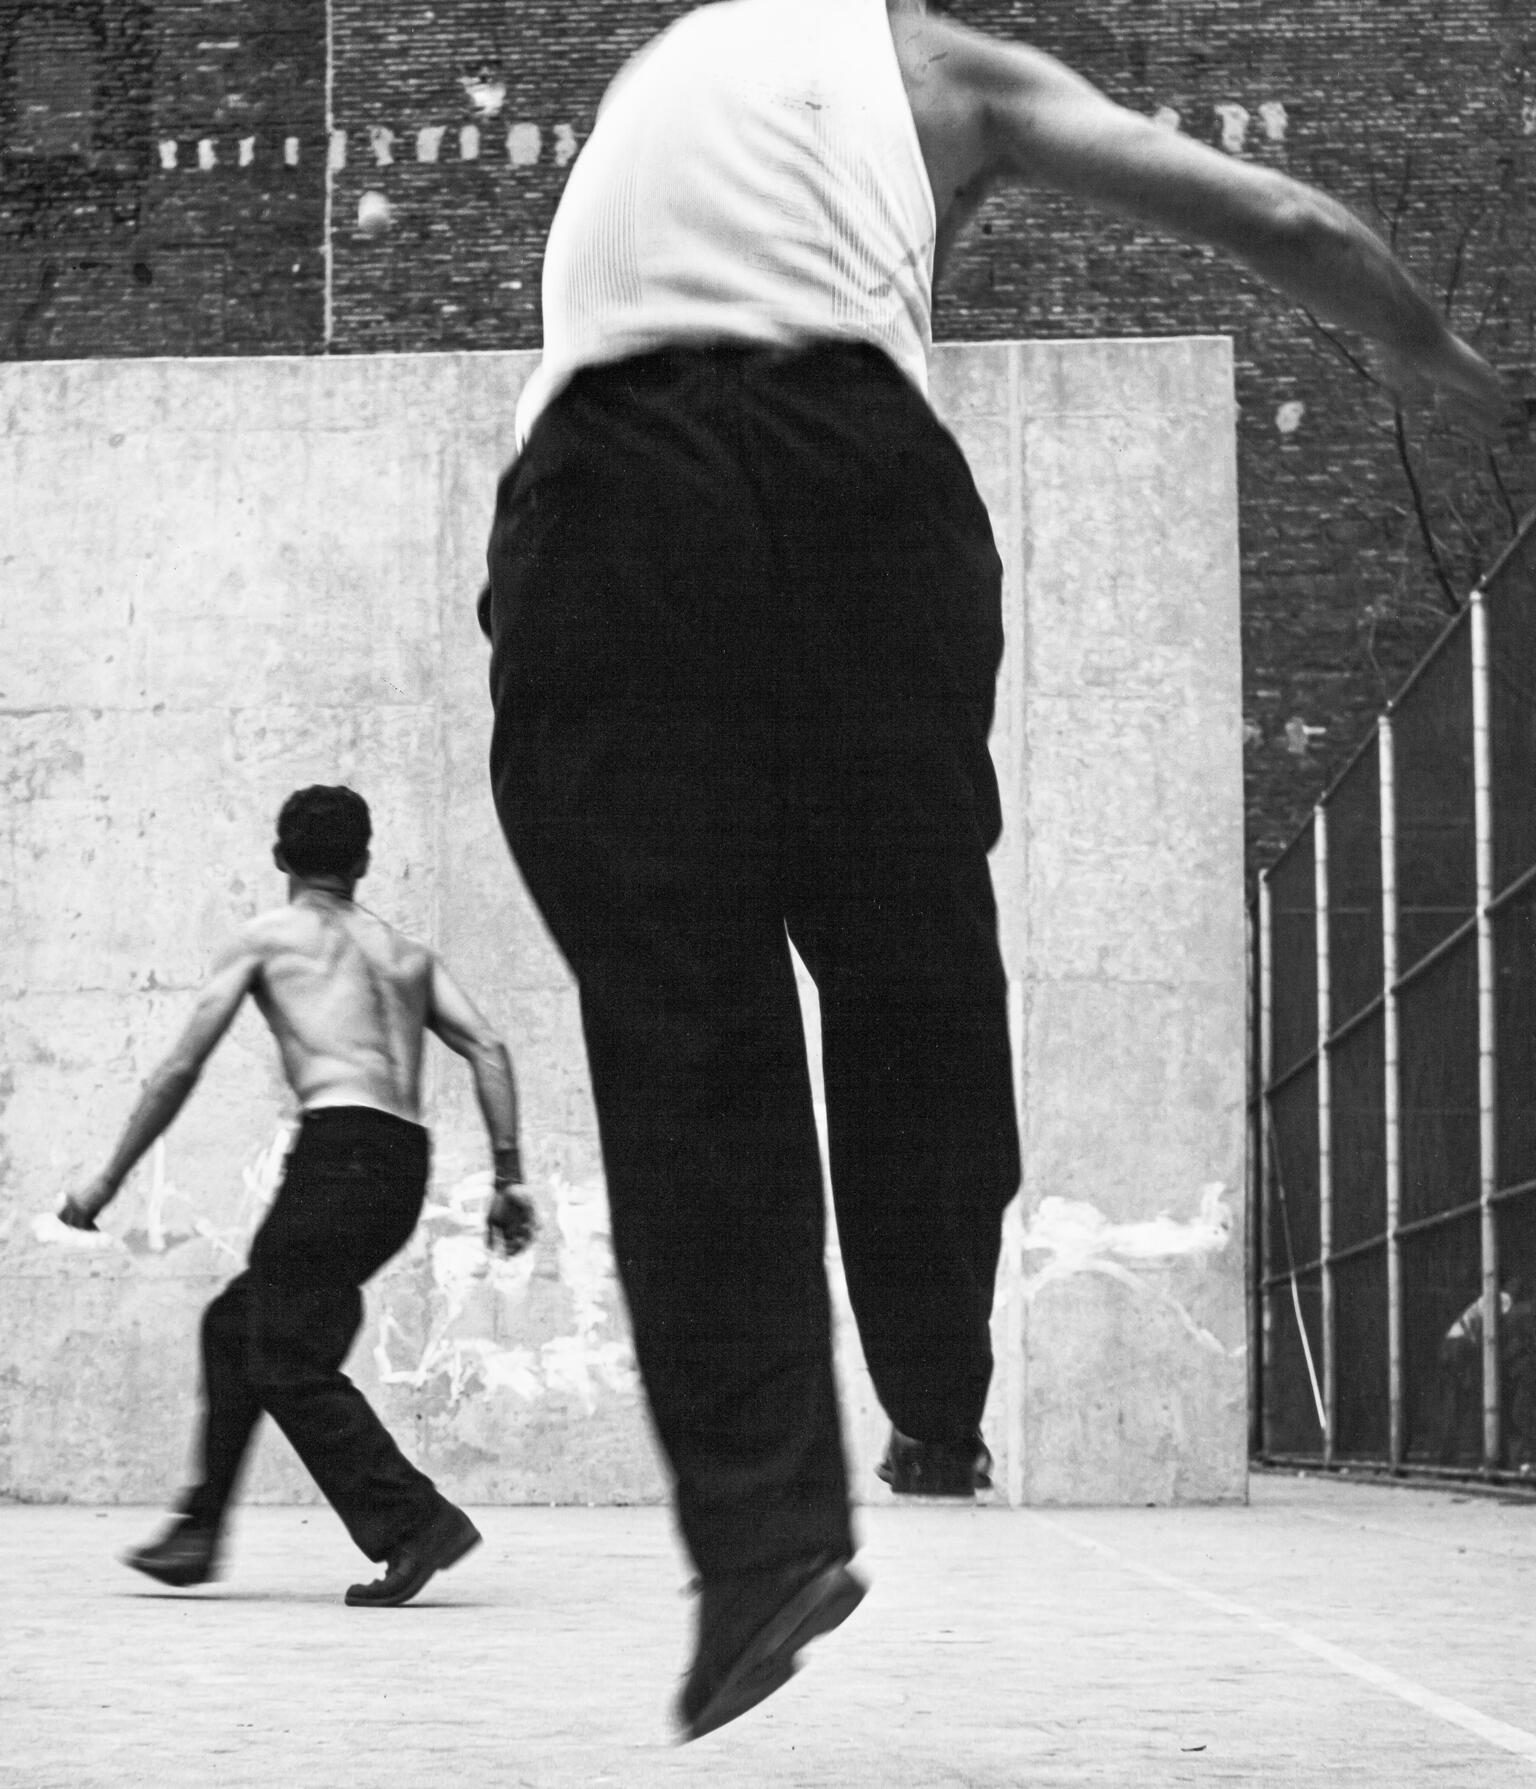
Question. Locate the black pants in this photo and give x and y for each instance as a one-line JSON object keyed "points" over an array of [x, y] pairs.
{"points": [[275, 1337], [745, 618]]}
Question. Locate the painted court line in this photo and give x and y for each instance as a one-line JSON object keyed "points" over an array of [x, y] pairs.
{"points": [[1447, 1708]]}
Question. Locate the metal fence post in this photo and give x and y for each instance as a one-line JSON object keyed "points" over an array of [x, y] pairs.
{"points": [[1392, 1160], [1266, 1163], [1488, 1167], [1324, 1124]]}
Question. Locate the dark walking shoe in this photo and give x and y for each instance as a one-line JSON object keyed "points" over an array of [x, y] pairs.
{"points": [[936, 1468], [187, 1553], [443, 1542], [751, 1625]]}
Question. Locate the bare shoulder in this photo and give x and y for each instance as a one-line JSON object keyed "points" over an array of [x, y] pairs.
{"points": [[414, 960], [959, 65], [958, 82]]}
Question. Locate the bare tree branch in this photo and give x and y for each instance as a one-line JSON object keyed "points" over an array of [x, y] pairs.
{"points": [[1426, 533], [1473, 545], [1503, 489], [1402, 198], [1342, 349], [1458, 258]]}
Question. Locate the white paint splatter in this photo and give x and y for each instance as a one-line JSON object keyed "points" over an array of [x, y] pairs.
{"points": [[1528, 118], [259, 1179], [1298, 736], [524, 141], [1167, 117], [1234, 127], [161, 1188], [469, 143], [1288, 416], [247, 151], [381, 140], [486, 96], [1078, 1238], [429, 139], [48, 1227], [207, 155], [471, 1289], [1273, 118], [291, 151], [565, 145], [169, 149], [336, 158]]}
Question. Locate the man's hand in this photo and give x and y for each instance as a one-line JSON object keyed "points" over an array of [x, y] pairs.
{"points": [[509, 1223], [79, 1211]]}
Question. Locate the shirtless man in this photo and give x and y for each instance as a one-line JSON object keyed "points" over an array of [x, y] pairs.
{"points": [[744, 607], [349, 1001]]}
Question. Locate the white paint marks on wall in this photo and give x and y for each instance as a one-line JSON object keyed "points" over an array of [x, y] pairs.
{"points": [[1273, 120], [1076, 1237], [291, 151], [1528, 117], [1288, 416], [381, 140], [247, 151], [336, 157], [46, 1227], [475, 1295], [1234, 126], [469, 143], [524, 141], [1299, 736], [207, 154], [168, 151], [486, 95], [1167, 117], [429, 139], [565, 145]]}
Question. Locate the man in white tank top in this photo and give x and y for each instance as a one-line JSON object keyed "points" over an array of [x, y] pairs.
{"points": [[744, 609]]}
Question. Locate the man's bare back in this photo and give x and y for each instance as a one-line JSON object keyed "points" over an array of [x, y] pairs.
{"points": [[347, 999]]}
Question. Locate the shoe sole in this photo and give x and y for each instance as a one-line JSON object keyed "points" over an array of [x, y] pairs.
{"points": [[177, 1577], [463, 1540], [981, 1480], [769, 1661]]}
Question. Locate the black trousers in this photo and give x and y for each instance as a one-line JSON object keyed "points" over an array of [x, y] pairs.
{"points": [[275, 1337], [745, 617]]}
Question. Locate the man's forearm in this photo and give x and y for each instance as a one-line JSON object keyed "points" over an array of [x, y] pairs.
{"points": [[1336, 266], [497, 1094], [165, 1093]]}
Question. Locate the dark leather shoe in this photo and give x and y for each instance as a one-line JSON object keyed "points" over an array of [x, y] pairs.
{"points": [[185, 1554], [443, 1542], [936, 1468], [751, 1625]]}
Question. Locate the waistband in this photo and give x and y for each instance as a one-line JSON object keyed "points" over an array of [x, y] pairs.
{"points": [[827, 356], [335, 1122]]}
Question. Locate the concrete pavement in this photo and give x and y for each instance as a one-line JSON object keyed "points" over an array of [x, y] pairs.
{"points": [[1329, 1633]]}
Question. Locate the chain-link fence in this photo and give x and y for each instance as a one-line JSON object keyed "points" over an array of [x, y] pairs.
{"points": [[1394, 1080]]}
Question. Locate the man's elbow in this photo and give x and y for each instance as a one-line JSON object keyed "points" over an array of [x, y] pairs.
{"points": [[1295, 228]]}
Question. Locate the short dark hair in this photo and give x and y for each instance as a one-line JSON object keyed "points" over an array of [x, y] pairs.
{"points": [[323, 830]]}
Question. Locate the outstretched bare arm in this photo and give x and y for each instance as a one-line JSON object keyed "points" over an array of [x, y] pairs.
{"points": [[166, 1090], [455, 1019], [1007, 111]]}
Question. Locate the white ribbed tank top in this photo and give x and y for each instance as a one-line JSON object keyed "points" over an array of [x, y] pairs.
{"points": [[754, 175]]}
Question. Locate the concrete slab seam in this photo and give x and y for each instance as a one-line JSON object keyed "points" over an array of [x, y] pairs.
{"points": [[1471, 1720]]}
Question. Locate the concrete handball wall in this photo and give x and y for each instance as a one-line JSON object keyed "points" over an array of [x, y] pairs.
{"points": [[222, 579], [184, 176]]}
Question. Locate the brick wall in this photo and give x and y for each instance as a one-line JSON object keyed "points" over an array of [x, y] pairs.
{"points": [[166, 191]]}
